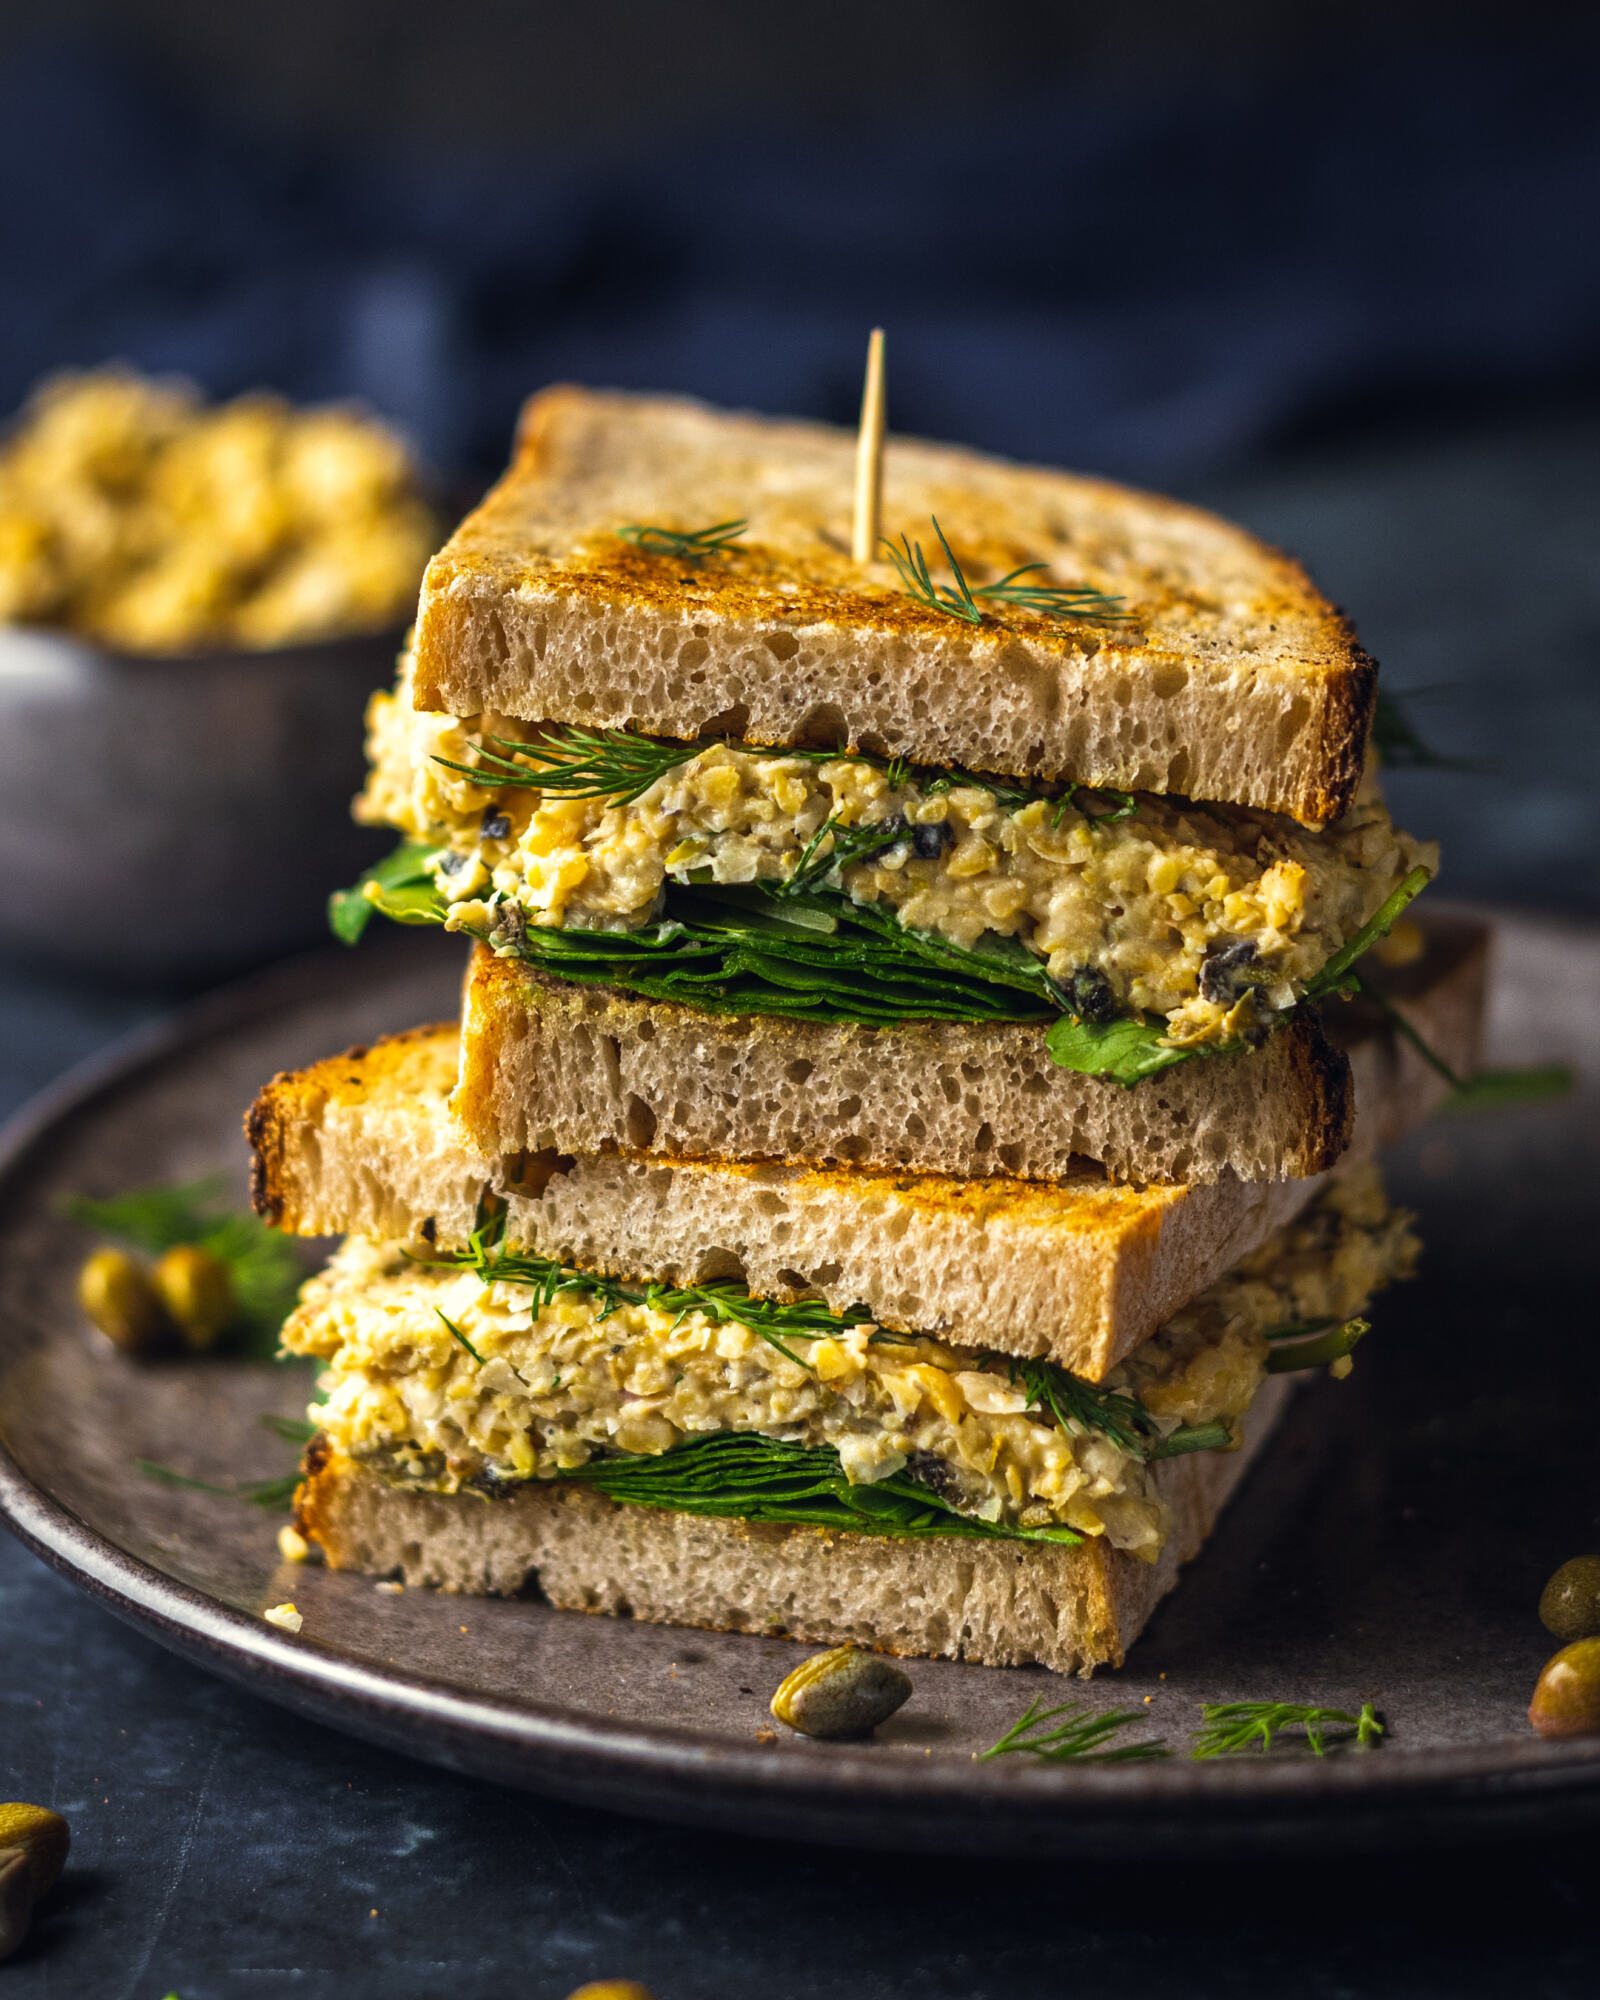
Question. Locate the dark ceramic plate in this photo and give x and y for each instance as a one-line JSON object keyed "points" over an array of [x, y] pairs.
{"points": [[1390, 1547]]}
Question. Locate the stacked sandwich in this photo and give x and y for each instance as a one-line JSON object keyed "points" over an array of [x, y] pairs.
{"points": [[927, 1031]]}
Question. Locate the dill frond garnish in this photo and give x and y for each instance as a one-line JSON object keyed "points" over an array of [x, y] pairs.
{"points": [[1079, 1406], [269, 1494], [457, 1335], [721, 1301], [1047, 600], [1095, 607], [1231, 1726], [846, 845], [686, 544], [1072, 1733], [911, 565], [1492, 1089], [613, 764]]}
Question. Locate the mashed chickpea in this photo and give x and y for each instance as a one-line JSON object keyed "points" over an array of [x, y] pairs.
{"points": [[1212, 917], [134, 514]]}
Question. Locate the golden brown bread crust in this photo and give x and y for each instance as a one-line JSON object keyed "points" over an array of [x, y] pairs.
{"points": [[295, 1099], [1235, 680]]}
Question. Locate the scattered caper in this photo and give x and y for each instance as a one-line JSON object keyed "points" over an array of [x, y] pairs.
{"points": [[1566, 1701], [117, 1295], [841, 1693], [1570, 1606], [197, 1292], [16, 1899], [43, 1836]]}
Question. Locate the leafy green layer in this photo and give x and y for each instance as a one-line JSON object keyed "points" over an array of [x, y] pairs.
{"points": [[813, 954], [744, 1476]]}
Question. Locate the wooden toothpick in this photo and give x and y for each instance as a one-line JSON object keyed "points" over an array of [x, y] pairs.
{"points": [[869, 456]]}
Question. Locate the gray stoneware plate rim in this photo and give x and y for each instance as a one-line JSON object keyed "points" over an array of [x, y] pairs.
{"points": [[833, 1792]]}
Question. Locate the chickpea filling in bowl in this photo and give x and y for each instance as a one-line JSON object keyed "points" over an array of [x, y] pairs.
{"points": [[132, 513], [449, 1374], [1211, 921]]}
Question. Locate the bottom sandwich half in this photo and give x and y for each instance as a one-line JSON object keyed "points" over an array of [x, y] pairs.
{"points": [[1072, 1607], [493, 1418]]}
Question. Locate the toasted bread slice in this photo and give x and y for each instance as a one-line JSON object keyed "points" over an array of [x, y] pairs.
{"points": [[1081, 1270], [1233, 679], [545, 1064], [585, 1069], [1002, 1603]]}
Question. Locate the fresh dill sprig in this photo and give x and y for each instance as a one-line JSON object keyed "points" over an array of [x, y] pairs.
{"points": [[457, 1335], [1096, 607], [1076, 1406], [1047, 600], [686, 544], [722, 1301], [1072, 1733], [613, 764], [269, 1494], [1317, 1344], [1079, 1406], [1228, 1727], [846, 846], [1491, 1089], [911, 565]]}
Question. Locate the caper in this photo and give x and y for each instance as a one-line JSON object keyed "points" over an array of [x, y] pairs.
{"points": [[841, 1693], [197, 1292], [16, 1899], [1570, 1606], [43, 1836], [118, 1296], [1566, 1701]]}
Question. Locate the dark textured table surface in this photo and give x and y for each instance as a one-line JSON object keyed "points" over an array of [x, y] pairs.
{"points": [[223, 1848]]}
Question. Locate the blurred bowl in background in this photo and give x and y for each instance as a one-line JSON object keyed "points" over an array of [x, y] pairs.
{"points": [[174, 820]]}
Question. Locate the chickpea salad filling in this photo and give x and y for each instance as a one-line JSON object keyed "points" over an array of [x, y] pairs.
{"points": [[851, 887], [488, 1369]]}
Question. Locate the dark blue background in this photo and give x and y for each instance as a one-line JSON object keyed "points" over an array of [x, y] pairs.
{"points": [[1354, 299]]}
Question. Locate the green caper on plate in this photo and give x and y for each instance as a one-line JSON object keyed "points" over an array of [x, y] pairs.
{"points": [[1570, 1606], [845, 1692]]}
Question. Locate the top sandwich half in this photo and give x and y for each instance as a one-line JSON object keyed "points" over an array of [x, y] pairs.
{"points": [[1098, 762]]}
